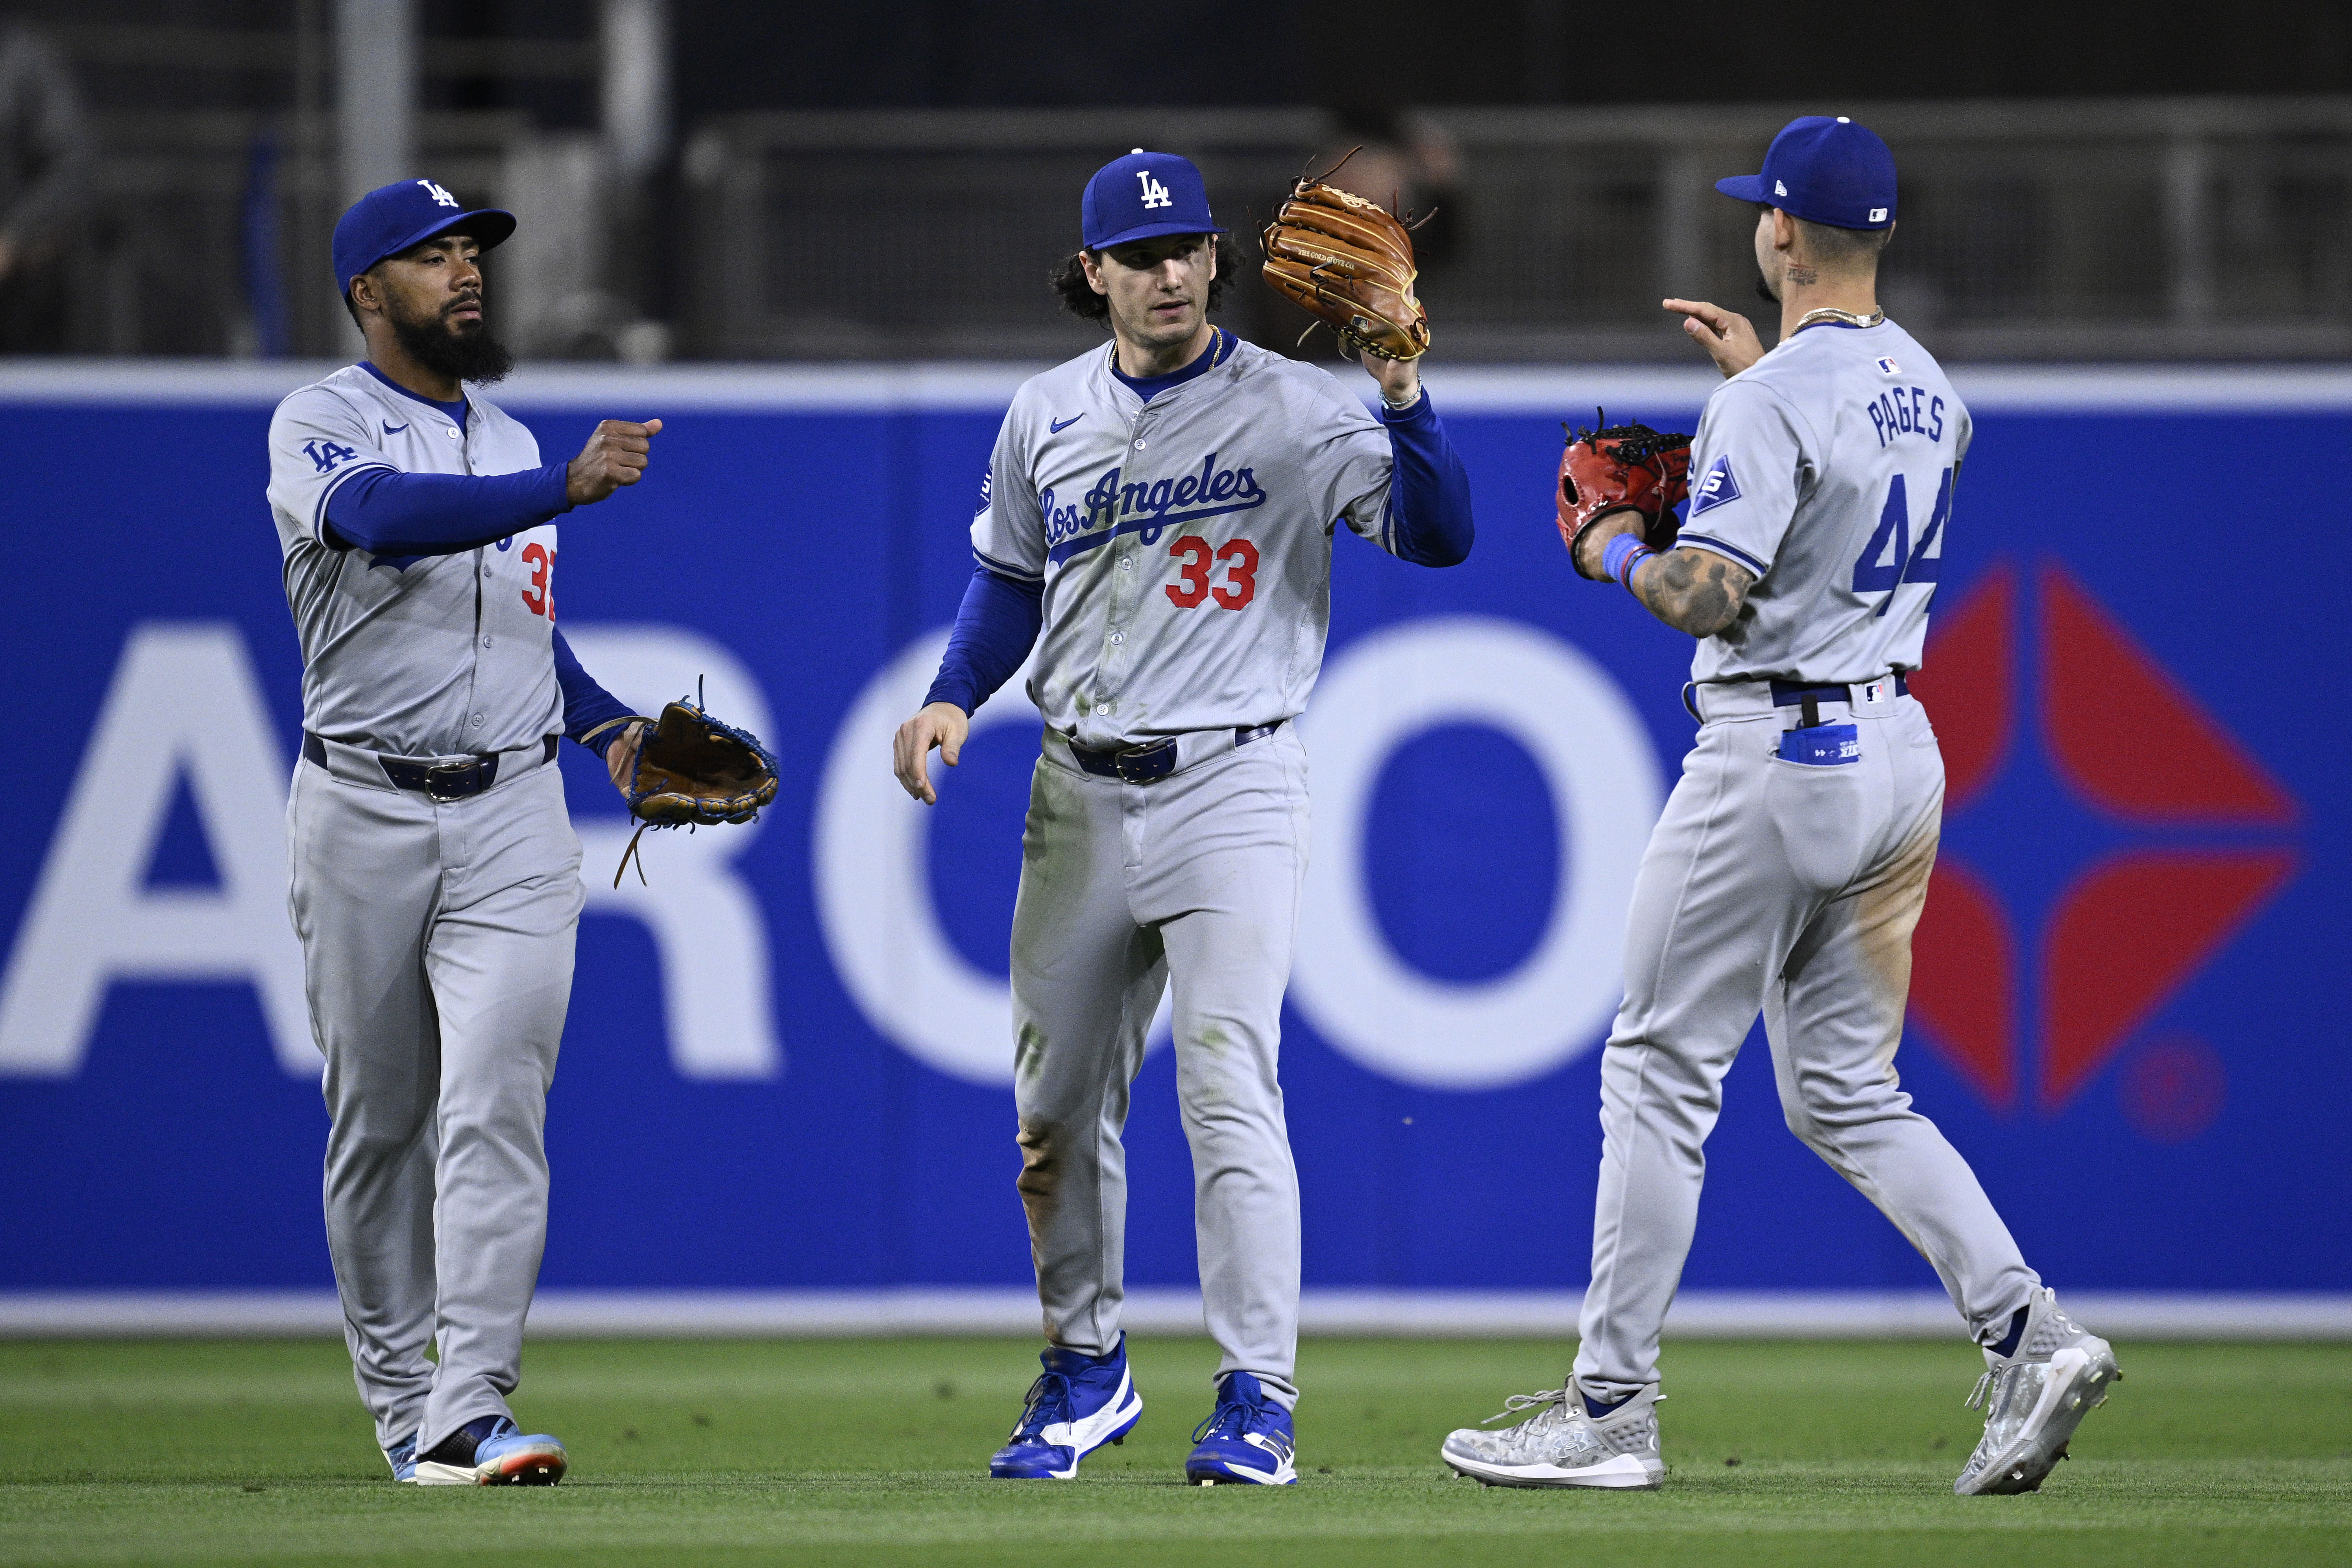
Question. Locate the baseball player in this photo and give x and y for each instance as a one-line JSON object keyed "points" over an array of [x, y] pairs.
{"points": [[1162, 509], [435, 883], [1791, 862]]}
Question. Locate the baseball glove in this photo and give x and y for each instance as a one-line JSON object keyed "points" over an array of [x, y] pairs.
{"points": [[1617, 467], [1349, 263], [692, 768]]}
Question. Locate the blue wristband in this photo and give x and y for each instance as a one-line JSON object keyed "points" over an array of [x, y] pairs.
{"points": [[1621, 555]]}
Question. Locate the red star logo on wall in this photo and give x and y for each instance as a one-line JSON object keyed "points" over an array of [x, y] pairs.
{"points": [[2131, 927]]}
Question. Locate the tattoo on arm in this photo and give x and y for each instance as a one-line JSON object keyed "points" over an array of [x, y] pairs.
{"points": [[1692, 590]]}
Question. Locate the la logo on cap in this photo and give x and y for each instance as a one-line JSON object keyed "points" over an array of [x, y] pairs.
{"points": [[1155, 195], [439, 196]]}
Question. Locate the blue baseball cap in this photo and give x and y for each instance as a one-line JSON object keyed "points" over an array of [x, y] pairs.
{"points": [[391, 219], [1823, 171], [1142, 196]]}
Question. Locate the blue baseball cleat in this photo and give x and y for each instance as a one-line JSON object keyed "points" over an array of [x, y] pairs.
{"points": [[1078, 1403], [492, 1451], [402, 1457], [1246, 1438]]}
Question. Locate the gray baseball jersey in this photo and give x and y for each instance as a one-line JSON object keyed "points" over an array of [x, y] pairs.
{"points": [[1787, 880], [1827, 469], [1184, 544], [436, 933], [427, 656]]}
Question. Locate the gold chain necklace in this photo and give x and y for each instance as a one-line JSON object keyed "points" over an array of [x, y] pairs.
{"points": [[1832, 313]]}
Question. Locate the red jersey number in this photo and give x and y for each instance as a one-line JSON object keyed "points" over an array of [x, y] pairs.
{"points": [[1239, 557], [1201, 558], [540, 597], [1194, 552]]}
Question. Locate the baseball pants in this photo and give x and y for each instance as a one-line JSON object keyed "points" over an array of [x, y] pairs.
{"points": [[1191, 880], [437, 943], [1791, 889]]}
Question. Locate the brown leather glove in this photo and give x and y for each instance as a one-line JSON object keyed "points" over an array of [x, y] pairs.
{"points": [[1349, 263], [693, 768]]}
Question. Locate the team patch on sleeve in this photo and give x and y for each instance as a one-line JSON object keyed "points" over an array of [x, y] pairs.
{"points": [[987, 486], [1718, 486]]}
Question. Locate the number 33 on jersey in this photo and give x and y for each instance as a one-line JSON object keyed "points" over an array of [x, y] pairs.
{"points": [[1196, 553]]}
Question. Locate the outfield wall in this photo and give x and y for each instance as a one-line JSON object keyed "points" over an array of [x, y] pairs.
{"points": [[782, 1102]]}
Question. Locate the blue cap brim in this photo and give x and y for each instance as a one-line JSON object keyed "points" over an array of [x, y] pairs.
{"points": [[1744, 188], [491, 227], [1150, 231]]}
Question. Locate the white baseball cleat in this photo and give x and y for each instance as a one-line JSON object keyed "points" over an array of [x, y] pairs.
{"points": [[1563, 1444], [2034, 1399]]}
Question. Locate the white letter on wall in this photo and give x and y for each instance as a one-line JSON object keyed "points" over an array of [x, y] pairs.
{"points": [[1603, 774], [874, 894], [184, 697], [717, 1002]]}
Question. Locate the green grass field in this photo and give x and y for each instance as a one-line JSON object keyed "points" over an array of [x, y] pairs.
{"points": [[874, 1452]]}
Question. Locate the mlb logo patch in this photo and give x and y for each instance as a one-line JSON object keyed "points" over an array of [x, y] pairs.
{"points": [[1718, 486], [1888, 367]]}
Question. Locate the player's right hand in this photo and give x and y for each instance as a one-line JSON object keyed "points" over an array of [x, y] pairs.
{"points": [[1728, 337], [942, 725], [615, 456]]}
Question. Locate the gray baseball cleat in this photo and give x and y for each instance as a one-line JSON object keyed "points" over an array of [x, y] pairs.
{"points": [[1563, 1444], [2034, 1399]]}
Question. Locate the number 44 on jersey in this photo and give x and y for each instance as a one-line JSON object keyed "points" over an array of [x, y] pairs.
{"points": [[1888, 561]]}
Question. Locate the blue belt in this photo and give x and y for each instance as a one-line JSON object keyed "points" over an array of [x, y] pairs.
{"points": [[442, 781], [1789, 694], [1142, 764]]}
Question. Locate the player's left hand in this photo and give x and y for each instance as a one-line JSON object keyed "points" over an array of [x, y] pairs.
{"points": [[616, 455], [1593, 542], [1400, 379], [621, 756]]}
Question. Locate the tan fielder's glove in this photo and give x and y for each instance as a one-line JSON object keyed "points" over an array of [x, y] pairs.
{"points": [[1349, 263]]}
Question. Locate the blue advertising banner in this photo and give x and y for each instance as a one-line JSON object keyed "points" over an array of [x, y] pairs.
{"points": [[788, 1054]]}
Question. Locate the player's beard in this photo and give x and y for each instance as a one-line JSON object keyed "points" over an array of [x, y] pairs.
{"points": [[468, 354]]}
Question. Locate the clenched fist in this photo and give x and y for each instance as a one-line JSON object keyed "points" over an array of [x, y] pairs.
{"points": [[615, 456]]}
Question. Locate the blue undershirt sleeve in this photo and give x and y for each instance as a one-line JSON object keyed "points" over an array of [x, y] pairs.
{"points": [[994, 629], [386, 512], [1429, 499], [588, 708]]}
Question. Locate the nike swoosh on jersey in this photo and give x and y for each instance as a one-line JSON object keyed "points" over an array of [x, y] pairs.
{"points": [[391, 429], [1057, 426]]}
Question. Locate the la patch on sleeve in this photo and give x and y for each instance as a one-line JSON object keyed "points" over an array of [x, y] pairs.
{"points": [[1718, 486]]}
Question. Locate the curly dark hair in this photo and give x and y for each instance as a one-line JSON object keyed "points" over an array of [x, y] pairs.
{"points": [[1068, 281]]}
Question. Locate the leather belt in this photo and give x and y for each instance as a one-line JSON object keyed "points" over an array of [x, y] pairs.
{"points": [[1758, 698], [440, 781], [1789, 694], [1144, 764]]}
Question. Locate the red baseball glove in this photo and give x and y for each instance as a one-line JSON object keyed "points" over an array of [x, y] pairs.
{"points": [[1621, 467]]}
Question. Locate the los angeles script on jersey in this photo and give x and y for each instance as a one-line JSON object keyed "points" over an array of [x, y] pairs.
{"points": [[1145, 506]]}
